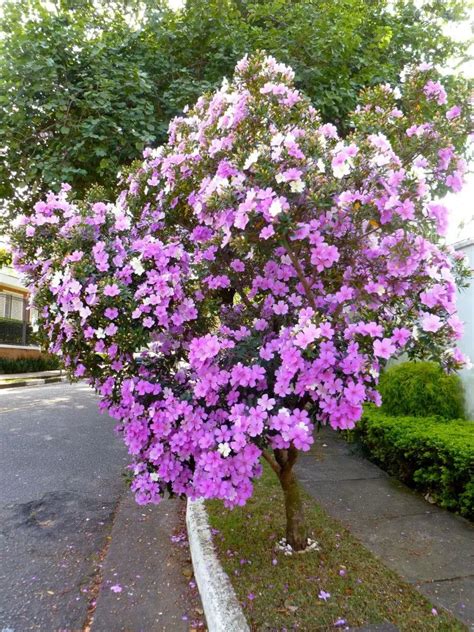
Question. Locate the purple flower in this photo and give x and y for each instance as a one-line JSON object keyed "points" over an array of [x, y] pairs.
{"points": [[453, 112], [111, 290], [324, 595], [431, 323], [384, 348]]}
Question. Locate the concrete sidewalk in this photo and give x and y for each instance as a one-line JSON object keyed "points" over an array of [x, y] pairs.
{"points": [[427, 546], [146, 579]]}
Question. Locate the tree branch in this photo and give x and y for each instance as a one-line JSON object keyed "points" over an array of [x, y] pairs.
{"points": [[300, 273], [273, 464]]}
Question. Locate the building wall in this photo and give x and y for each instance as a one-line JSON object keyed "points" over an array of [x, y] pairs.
{"points": [[466, 314], [14, 309], [16, 352]]}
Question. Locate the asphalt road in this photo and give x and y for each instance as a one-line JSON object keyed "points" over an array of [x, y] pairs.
{"points": [[60, 481]]}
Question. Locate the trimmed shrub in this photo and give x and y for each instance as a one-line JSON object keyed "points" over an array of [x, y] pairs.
{"points": [[29, 365], [434, 456], [422, 389]]}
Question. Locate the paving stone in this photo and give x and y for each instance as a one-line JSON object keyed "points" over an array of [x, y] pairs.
{"points": [[335, 467], [358, 501], [325, 443], [426, 545], [154, 595], [454, 594]]}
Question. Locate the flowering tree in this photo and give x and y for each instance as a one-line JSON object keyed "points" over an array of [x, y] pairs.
{"points": [[265, 268]]}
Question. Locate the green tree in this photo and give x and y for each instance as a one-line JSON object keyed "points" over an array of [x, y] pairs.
{"points": [[84, 85], [75, 99]]}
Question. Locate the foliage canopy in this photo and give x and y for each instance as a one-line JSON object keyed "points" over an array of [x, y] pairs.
{"points": [[84, 87], [421, 389]]}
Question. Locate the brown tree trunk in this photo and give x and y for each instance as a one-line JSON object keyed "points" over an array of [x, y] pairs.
{"points": [[296, 531]]}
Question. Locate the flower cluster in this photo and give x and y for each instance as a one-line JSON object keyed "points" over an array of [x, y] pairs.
{"points": [[255, 275]]}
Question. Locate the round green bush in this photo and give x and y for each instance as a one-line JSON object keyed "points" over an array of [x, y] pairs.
{"points": [[421, 389]]}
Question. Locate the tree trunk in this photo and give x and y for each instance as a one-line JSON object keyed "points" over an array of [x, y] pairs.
{"points": [[296, 531]]}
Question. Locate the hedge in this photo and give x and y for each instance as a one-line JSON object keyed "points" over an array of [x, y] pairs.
{"points": [[432, 455], [421, 389], [29, 365]]}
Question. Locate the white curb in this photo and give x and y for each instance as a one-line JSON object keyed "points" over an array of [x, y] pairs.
{"points": [[222, 610], [33, 382]]}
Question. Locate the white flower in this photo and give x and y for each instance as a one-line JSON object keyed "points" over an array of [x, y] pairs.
{"points": [[154, 476], [56, 278], [297, 186], [224, 449], [342, 170], [100, 333], [320, 165], [275, 208], [277, 140], [84, 312], [379, 160], [252, 159], [225, 84], [137, 265]]}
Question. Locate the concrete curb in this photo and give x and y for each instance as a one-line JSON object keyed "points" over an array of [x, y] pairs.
{"points": [[222, 610], [33, 382]]}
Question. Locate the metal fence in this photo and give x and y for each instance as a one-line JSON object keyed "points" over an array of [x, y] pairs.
{"points": [[15, 328]]}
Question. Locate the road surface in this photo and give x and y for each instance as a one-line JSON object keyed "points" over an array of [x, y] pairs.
{"points": [[60, 473]]}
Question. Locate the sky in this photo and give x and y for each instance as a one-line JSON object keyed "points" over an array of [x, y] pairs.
{"points": [[461, 205]]}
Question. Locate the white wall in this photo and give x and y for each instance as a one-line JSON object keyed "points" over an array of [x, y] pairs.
{"points": [[466, 314]]}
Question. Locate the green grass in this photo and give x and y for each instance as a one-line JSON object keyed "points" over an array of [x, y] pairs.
{"points": [[281, 593]]}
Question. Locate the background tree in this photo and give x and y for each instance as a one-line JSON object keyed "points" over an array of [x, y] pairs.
{"points": [[267, 267], [84, 85]]}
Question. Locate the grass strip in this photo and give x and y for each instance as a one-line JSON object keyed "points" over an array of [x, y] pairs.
{"points": [[290, 593]]}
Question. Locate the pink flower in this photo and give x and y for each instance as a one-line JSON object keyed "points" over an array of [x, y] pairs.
{"points": [[267, 232], [237, 265], [431, 322], [453, 112], [116, 588], [280, 308], [384, 348], [434, 90], [400, 336], [265, 402], [111, 290], [307, 335], [260, 324]]}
